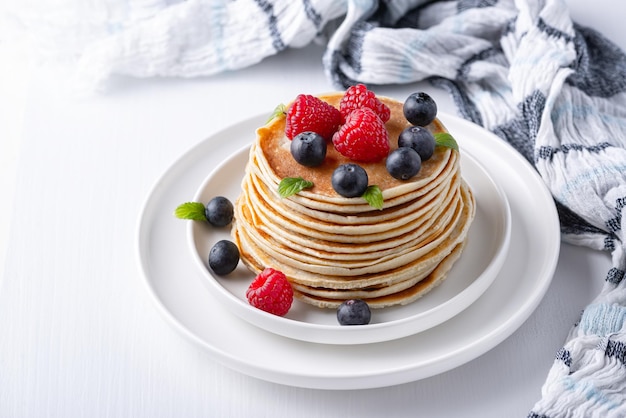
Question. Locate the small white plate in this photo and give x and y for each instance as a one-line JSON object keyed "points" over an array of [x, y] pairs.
{"points": [[175, 283], [472, 274]]}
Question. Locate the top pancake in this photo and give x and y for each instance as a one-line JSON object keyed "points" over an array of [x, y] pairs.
{"points": [[275, 157]]}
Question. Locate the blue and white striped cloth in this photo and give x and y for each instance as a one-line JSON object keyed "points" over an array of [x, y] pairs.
{"points": [[521, 68]]}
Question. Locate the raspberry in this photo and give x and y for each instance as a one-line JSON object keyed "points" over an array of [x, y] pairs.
{"points": [[363, 137], [271, 292], [310, 113], [359, 96]]}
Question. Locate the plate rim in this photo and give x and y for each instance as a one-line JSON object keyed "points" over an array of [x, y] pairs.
{"points": [[372, 333]]}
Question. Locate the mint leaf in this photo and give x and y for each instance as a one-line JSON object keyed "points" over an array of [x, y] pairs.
{"points": [[374, 197], [292, 185], [444, 139], [190, 210], [279, 111]]}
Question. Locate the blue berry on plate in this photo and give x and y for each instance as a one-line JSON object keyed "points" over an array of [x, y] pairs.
{"points": [[354, 312], [403, 163], [420, 109], [223, 257], [219, 211], [308, 149], [420, 139], [349, 180]]}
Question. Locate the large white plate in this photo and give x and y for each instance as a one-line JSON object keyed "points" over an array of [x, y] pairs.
{"points": [[472, 274], [176, 284]]}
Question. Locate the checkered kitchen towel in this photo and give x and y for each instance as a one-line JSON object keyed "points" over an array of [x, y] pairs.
{"points": [[521, 68]]}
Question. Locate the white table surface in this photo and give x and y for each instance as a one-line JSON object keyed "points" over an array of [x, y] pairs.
{"points": [[79, 335]]}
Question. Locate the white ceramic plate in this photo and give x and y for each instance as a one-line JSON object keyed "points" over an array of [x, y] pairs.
{"points": [[176, 284], [472, 274]]}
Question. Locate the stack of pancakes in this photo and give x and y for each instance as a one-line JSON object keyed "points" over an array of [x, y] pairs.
{"points": [[333, 248]]}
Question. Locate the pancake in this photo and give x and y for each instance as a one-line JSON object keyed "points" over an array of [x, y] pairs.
{"points": [[403, 297], [333, 248]]}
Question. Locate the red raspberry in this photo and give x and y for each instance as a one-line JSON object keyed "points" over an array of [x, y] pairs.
{"points": [[310, 113], [359, 96], [363, 137], [271, 292]]}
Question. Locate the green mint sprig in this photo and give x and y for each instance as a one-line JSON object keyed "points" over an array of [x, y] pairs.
{"points": [[374, 197], [444, 139], [279, 111], [190, 210], [292, 185]]}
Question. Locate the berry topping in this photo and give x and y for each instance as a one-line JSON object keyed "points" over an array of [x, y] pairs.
{"points": [[354, 312], [420, 139], [363, 137], [308, 148], [403, 163], [219, 211], [349, 180], [271, 292], [420, 109], [223, 257], [359, 96], [310, 113]]}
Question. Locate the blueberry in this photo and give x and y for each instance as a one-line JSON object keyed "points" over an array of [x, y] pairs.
{"points": [[223, 257], [420, 109], [420, 139], [349, 180], [403, 163], [308, 148], [354, 312], [219, 211]]}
